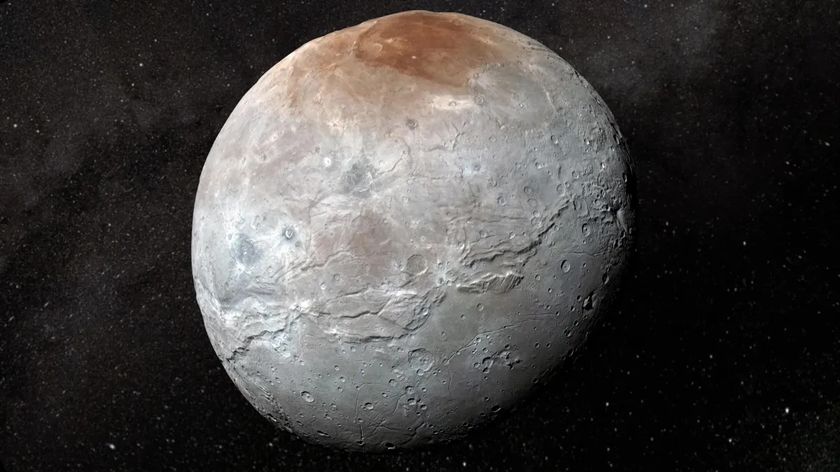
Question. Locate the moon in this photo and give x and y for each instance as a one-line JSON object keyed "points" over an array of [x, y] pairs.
{"points": [[405, 226]]}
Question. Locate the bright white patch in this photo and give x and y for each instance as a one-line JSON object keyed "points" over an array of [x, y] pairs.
{"points": [[448, 102]]}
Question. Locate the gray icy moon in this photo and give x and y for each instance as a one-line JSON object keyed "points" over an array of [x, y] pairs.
{"points": [[405, 225]]}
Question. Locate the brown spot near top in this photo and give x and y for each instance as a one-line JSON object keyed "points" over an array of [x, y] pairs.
{"points": [[440, 47]]}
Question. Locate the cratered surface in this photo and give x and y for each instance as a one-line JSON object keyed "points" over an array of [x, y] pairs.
{"points": [[405, 225]]}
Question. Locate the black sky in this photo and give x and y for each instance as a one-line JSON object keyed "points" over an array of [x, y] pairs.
{"points": [[723, 352]]}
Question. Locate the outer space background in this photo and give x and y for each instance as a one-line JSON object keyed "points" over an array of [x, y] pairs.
{"points": [[722, 353]]}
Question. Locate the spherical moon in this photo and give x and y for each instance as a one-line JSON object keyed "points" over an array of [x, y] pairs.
{"points": [[404, 226]]}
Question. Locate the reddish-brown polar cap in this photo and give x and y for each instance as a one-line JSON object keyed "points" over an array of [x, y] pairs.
{"points": [[444, 48], [414, 51]]}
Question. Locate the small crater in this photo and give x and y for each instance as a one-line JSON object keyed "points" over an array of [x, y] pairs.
{"points": [[289, 233], [245, 251], [420, 360], [416, 264], [307, 397]]}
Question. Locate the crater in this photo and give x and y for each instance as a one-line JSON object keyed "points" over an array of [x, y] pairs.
{"points": [[416, 264], [245, 251]]}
